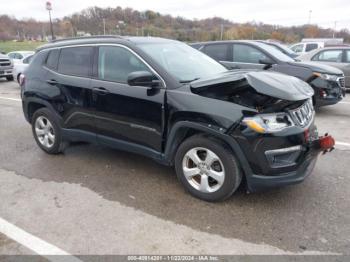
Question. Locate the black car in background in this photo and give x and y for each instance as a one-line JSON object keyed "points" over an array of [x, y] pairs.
{"points": [[328, 82], [167, 101]]}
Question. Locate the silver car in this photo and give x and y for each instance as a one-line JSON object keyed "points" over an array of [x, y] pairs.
{"points": [[19, 68], [335, 56]]}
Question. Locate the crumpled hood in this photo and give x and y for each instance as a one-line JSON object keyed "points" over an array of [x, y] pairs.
{"points": [[268, 83], [318, 67]]}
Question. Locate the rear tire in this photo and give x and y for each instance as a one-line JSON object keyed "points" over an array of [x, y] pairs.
{"points": [[207, 168], [47, 132]]}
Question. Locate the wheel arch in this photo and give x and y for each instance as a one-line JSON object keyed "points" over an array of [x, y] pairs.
{"points": [[184, 129], [17, 77], [32, 104]]}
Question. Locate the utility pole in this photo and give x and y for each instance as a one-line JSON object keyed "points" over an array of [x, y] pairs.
{"points": [[104, 26], [309, 21], [335, 27], [49, 8], [222, 31]]}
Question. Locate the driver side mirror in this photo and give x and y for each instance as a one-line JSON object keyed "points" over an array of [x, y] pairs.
{"points": [[143, 78], [266, 61]]}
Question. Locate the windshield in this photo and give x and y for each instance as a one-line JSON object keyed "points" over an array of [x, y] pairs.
{"points": [[182, 61], [276, 53], [283, 47]]}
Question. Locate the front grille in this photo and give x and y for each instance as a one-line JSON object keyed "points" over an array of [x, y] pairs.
{"points": [[5, 62], [341, 82], [303, 115]]}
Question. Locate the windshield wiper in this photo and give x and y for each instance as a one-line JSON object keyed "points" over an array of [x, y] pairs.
{"points": [[188, 81]]}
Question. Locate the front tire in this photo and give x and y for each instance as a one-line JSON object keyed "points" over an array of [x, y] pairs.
{"points": [[47, 132], [9, 78], [207, 168]]}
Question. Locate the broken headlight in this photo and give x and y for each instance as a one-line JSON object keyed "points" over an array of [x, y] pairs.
{"points": [[268, 123], [327, 76]]}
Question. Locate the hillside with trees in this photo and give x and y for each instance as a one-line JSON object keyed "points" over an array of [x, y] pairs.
{"points": [[97, 21]]}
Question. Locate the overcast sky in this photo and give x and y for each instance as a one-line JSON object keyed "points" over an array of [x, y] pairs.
{"points": [[283, 12]]}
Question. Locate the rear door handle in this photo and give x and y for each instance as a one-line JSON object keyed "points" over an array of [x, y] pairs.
{"points": [[52, 82], [100, 90]]}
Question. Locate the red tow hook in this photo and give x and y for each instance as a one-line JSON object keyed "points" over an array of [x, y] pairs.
{"points": [[326, 143]]}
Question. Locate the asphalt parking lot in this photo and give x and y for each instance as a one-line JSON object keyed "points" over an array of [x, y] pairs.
{"points": [[94, 200]]}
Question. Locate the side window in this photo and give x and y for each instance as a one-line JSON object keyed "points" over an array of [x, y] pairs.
{"points": [[217, 51], [75, 61], [329, 56], [297, 48], [347, 59], [247, 54], [310, 47], [19, 56], [52, 59], [116, 63]]}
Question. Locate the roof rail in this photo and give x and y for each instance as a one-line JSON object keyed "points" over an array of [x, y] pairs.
{"points": [[85, 37]]}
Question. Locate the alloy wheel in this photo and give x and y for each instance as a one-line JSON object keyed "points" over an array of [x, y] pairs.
{"points": [[44, 132], [203, 170]]}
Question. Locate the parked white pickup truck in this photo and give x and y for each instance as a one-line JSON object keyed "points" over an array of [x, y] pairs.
{"points": [[304, 47], [6, 67]]}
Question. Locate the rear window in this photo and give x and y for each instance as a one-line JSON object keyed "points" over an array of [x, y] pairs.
{"points": [[75, 61], [52, 59]]}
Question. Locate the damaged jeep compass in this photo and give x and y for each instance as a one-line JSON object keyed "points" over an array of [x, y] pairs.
{"points": [[167, 101]]}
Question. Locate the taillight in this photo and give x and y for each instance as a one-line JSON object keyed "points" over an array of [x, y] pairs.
{"points": [[22, 80]]}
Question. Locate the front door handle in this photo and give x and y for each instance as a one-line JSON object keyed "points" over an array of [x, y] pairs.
{"points": [[52, 82], [100, 90]]}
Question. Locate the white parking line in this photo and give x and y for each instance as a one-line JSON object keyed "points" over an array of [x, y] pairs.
{"points": [[34, 243], [343, 102], [9, 98], [342, 144]]}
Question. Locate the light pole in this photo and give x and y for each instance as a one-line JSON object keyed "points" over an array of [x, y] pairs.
{"points": [[221, 31], [104, 26], [310, 12], [49, 8], [335, 28]]}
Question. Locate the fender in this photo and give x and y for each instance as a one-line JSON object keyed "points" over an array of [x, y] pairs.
{"points": [[177, 132]]}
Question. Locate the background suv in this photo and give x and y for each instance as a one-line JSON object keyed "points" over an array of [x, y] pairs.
{"points": [[167, 101], [327, 81]]}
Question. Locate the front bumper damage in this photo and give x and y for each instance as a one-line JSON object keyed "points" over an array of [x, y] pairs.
{"points": [[320, 145]]}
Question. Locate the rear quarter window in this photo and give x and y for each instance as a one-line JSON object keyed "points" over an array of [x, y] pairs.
{"points": [[75, 61], [52, 59]]}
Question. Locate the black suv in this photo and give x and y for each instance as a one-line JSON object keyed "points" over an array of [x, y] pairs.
{"points": [[165, 100], [328, 82]]}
